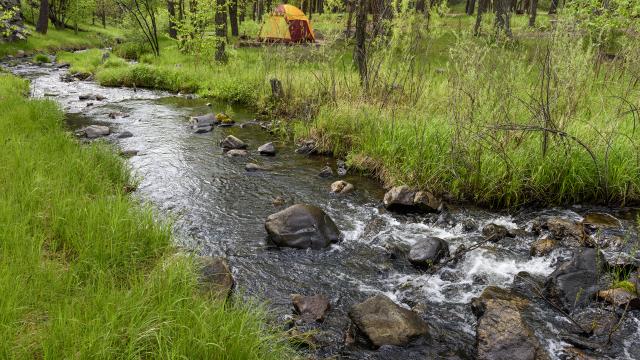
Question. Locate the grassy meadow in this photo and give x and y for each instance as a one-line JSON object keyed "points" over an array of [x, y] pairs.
{"points": [[85, 271], [542, 119]]}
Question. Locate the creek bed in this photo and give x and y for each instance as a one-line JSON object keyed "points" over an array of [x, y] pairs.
{"points": [[219, 209]]}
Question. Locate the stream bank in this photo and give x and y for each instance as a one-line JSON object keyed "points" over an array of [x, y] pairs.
{"points": [[220, 209]]}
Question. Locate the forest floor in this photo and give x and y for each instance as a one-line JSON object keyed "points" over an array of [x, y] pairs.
{"points": [[85, 270]]}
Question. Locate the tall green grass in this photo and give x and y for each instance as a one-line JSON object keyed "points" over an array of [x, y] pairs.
{"points": [[87, 273], [461, 116]]}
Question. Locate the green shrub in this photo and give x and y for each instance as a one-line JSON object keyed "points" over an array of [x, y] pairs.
{"points": [[131, 50], [41, 58]]}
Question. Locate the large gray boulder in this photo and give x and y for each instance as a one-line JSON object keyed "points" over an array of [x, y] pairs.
{"points": [[427, 252], [502, 332], [575, 283], [404, 199], [302, 226], [386, 323]]}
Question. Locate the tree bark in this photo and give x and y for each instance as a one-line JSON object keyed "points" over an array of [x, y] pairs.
{"points": [[471, 7], [43, 18], [503, 16], [350, 6], [482, 7], [233, 16], [221, 31], [361, 38], [533, 11], [171, 8]]}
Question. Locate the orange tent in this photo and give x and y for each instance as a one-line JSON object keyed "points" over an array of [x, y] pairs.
{"points": [[287, 23]]}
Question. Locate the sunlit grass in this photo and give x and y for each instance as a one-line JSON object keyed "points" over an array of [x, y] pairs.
{"points": [[86, 272]]}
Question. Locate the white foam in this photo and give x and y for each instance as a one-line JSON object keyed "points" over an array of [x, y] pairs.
{"points": [[480, 263]]}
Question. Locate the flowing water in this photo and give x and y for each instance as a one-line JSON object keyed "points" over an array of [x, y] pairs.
{"points": [[219, 209]]}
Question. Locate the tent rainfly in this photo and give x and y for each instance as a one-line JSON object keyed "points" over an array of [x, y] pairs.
{"points": [[287, 23]]}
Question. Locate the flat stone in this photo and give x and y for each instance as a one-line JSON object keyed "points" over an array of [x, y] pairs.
{"points": [[203, 129], [95, 131], [237, 153], [125, 134], [251, 167], [601, 221], [311, 308], [216, 277]]}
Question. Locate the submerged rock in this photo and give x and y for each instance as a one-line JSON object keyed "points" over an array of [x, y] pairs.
{"points": [[267, 149], [95, 131], [428, 252], [574, 283], [302, 226], [495, 232], [386, 323], [543, 246], [216, 277], [203, 129], [125, 134], [502, 332], [237, 153], [251, 167], [341, 187], [326, 172], [207, 120], [278, 201], [311, 308], [404, 199], [128, 153], [232, 142]]}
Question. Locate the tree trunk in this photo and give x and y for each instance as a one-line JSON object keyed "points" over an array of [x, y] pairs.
{"points": [[233, 17], [320, 6], [533, 11], [43, 18], [553, 8], [103, 18], [482, 7], [171, 9], [361, 38], [471, 7], [350, 6], [221, 31], [420, 6], [503, 16]]}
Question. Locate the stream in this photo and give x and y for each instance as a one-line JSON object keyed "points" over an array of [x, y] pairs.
{"points": [[218, 208]]}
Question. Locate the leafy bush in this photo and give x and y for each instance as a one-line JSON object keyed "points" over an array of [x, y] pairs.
{"points": [[41, 58], [132, 50]]}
